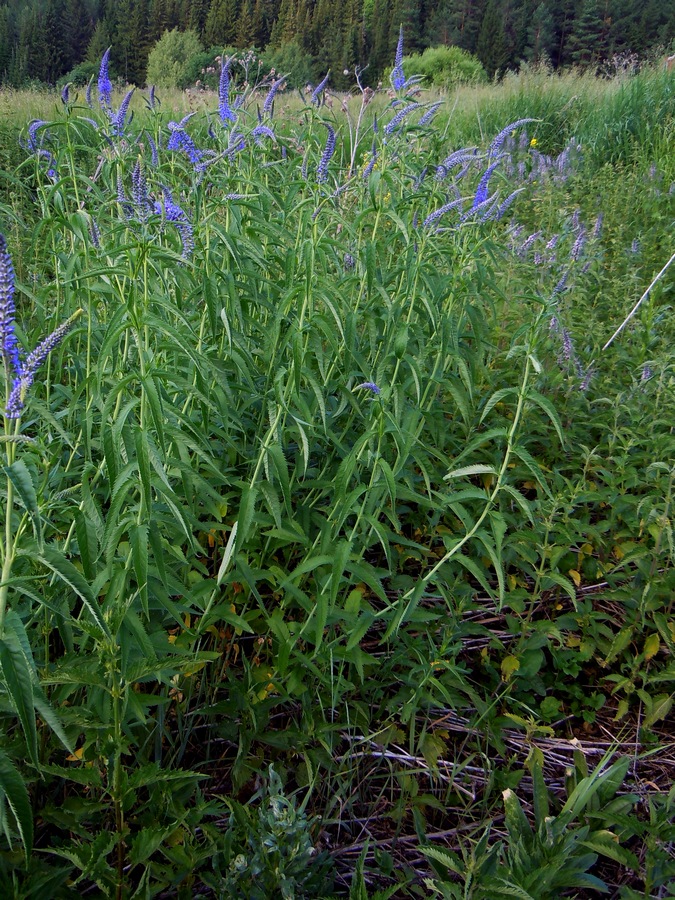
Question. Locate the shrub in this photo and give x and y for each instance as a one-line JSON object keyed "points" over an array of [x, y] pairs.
{"points": [[170, 57], [445, 67]]}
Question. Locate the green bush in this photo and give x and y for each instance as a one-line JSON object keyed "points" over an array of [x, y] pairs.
{"points": [[292, 61], [445, 67], [169, 58], [80, 75]]}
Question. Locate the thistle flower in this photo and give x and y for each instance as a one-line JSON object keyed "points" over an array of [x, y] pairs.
{"points": [[119, 118], [368, 386], [397, 77], [316, 93], [498, 141], [329, 150], [104, 84], [8, 342], [436, 215], [224, 111], [269, 100], [26, 377], [391, 126]]}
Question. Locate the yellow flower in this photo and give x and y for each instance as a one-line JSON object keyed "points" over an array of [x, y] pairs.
{"points": [[533, 142]]}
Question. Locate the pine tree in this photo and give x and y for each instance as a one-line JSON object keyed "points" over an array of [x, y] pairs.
{"points": [[100, 41], [245, 32], [540, 35], [220, 28], [587, 43], [491, 48]]}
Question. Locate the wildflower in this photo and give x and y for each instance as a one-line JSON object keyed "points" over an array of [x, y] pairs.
{"points": [[497, 143], [139, 192], [397, 76], [269, 100], [551, 245], [434, 216], [151, 100], [261, 130], [597, 228], [316, 93], [177, 217], [568, 347], [118, 119], [181, 140], [533, 142], [369, 386], [576, 218], [553, 325], [224, 111], [430, 113], [153, 149], [329, 149], [104, 85], [33, 144], [349, 262], [26, 377], [504, 206], [646, 373], [8, 342], [87, 93], [127, 208], [94, 233], [371, 162], [635, 246], [65, 94], [527, 243], [578, 246], [391, 126], [482, 189], [585, 382], [562, 284]]}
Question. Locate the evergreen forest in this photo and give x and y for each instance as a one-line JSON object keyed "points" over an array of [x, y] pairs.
{"points": [[43, 41]]}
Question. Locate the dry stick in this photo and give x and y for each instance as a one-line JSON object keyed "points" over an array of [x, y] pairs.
{"points": [[637, 305]]}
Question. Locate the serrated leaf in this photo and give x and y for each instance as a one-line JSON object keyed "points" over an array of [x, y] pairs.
{"points": [[22, 482], [19, 683], [53, 559], [14, 790], [477, 469]]}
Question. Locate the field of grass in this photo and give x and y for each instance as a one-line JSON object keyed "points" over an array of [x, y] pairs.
{"points": [[338, 556]]}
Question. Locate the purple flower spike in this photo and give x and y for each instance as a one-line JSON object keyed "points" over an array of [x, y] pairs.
{"points": [[329, 149], [397, 76], [269, 100], [22, 384], [224, 110], [118, 120], [369, 386], [316, 93], [8, 343], [482, 189], [177, 216], [434, 216], [65, 94], [390, 127], [498, 142], [104, 84]]}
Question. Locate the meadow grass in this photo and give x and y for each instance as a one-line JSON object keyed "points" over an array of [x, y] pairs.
{"points": [[333, 537]]}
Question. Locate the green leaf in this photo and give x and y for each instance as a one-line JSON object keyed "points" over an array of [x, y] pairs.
{"points": [[477, 469], [18, 680], [14, 791], [22, 481], [54, 559]]}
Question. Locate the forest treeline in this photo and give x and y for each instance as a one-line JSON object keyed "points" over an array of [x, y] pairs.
{"points": [[44, 40]]}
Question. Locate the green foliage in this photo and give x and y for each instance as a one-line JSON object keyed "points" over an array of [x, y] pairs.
{"points": [[332, 475], [170, 59], [444, 67]]}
